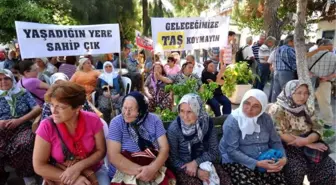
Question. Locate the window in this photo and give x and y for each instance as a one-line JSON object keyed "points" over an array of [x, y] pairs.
{"points": [[329, 34]]}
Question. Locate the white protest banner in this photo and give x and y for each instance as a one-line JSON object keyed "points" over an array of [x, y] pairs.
{"points": [[47, 40], [189, 33], [143, 42]]}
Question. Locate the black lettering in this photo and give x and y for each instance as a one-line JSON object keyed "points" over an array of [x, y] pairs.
{"points": [[43, 34], [206, 39], [192, 25], [97, 33], [196, 25], [201, 38], [96, 45], [103, 33], [58, 47], [204, 25], [50, 47], [71, 34], [179, 40], [51, 34], [65, 46], [27, 32], [59, 33], [217, 24], [182, 25], [187, 25], [91, 32], [76, 45], [172, 40], [35, 34], [178, 26], [81, 33], [172, 26], [212, 25], [217, 38], [188, 40], [65, 34], [167, 26], [165, 39], [109, 33], [87, 45]]}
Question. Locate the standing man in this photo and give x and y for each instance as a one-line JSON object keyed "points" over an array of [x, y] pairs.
{"points": [[198, 68], [255, 49], [285, 66], [248, 52], [225, 56], [323, 66], [263, 68]]}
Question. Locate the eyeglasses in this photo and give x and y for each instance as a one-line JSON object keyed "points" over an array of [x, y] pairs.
{"points": [[5, 79], [59, 107], [125, 109]]}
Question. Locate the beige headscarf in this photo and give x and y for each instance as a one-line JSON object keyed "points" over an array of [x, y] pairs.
{"points": [[81, 63]]}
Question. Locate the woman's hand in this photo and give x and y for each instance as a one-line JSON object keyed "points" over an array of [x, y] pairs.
{"points": [[299, 141], [3, 123], [13, 123], [204, 175], [147, 173], [281, 163], [70, 175], [81, 180], [269, 165], [115, 96], [190, 168], [318, 146]]}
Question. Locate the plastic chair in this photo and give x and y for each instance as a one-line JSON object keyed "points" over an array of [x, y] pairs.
{"points": [[127, 83]]}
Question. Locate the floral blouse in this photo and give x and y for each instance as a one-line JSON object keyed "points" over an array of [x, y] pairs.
{"points": [[287, 123]]}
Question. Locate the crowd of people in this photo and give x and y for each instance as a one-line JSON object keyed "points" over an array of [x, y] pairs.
{"points": [[261, 144]]}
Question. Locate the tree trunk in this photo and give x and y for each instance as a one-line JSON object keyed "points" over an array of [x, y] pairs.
{"points": [[272, 25], [300, 48], [145, 18]]}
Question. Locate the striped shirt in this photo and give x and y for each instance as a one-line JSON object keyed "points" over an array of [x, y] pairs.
{"points": [[255, 50], [227, 54], [325, 66], [285, 55], [118, 132]]}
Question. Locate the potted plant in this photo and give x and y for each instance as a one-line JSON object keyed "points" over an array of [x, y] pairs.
{"points": [[237, 80]]}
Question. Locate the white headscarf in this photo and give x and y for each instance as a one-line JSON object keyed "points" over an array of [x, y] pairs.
{"points": [[11, 94], [108, 77], [249, 125], [81, 63], [58, 76]]}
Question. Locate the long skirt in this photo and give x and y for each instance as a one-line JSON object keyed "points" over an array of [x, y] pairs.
{"points": [[16, 150], [323, 173], [184, 179], [105, 106], [242, 175]]}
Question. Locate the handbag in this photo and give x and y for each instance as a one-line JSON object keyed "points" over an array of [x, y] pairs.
{"points": [[70, 160]]}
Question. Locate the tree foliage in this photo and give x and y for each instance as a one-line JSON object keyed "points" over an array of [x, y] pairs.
{"points": [[187, 8]]}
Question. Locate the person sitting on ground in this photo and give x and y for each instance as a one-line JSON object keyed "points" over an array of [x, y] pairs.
{"points": [[193, 143], [72, 138], [69, 67], [155, 90], [29, 70], [182, 76], [86, 76], [18, 108], [171, 67], [210, 75], [58, 78], [248, 135], [301, 134], [45, 69], [109, 92], [133, 134]]}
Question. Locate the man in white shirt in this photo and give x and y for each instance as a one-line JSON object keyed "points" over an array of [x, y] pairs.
{"points": [[198, 68], [247, 51], [315, 46]]}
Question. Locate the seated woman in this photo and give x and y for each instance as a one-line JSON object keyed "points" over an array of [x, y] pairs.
{"points": [[155, 90], [109, 92], [30, 82], [182, 76], [210, 74], [133, 134], [86, 76], [249, 134], [18, 108], [45, 69], [302, 136], [193, 142], [171, 67], [73, 139], [56, 79], [69, 67]]}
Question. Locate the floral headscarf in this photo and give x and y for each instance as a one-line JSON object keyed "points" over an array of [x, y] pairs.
{"points": [[11, 94]]}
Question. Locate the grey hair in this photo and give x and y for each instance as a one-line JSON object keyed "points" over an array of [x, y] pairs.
{"points": [[192, 57], [270, 38], [249, 39], [325, 42]]}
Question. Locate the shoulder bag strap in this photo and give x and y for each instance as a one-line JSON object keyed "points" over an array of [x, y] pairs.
{"points": [[34, 95], [286, 62], [66, 152], [317, 60]]}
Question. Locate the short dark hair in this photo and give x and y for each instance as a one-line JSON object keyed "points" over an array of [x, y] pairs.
{"points": [[185, 65], [25, 65], [318, 41], [289, 38], [231, 33], [68, 93], [71, 60]]}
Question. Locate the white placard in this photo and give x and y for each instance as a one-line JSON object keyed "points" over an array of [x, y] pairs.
{"points": [[189, 33], [47, 40]]}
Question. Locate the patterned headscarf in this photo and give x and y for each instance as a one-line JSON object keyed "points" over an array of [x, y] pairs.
{"points": [[285, 99], [202, 123], [11, 94], [58, 76]]}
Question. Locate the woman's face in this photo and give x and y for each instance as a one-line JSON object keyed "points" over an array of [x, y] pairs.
{"points": [[87, 65], [158, 68], [6, 83], [61, 112], [40, 63], [188, 69], [108, 68], [301, 95], [187, 115], [170, 63], [211, 67], [251, 107], [130, 110]]}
